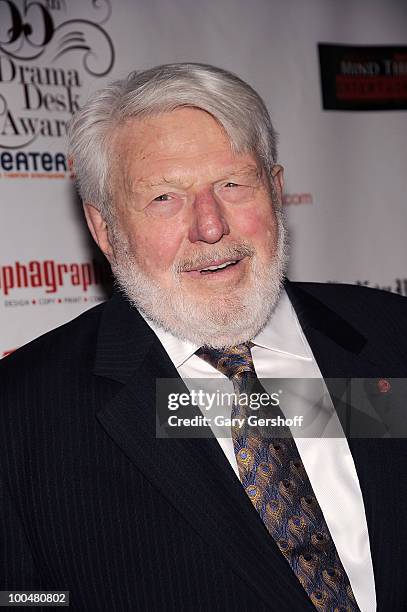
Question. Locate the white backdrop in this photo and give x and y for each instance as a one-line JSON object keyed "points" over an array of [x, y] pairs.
{"points": [[345, 171]]}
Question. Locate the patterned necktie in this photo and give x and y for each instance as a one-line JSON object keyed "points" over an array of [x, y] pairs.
{"points": [[274, 478]]}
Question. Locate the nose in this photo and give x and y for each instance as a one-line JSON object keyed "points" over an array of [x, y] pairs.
{"points": [[209, 223]]}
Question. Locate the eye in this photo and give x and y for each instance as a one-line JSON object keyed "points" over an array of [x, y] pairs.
{"points": [[232, 192], [165, 204], [165, 197]]}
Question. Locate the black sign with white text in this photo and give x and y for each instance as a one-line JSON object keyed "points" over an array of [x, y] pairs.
{"points": [[363, 77]]}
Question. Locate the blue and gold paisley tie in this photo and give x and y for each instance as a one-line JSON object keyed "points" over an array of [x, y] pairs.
{"points": [[274, 478]]}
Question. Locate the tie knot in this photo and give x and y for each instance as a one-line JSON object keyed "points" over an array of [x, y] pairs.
{"points": [[232, 362]]}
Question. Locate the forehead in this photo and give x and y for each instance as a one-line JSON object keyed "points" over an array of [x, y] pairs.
{"points": [[184, 130], [186, 140]]}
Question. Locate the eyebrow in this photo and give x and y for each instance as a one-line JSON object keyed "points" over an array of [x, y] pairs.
{"points": [[159, 181]]}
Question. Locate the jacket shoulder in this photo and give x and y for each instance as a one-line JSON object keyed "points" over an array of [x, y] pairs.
{"points": [[342, 293], [71, 342], [373, 312]]}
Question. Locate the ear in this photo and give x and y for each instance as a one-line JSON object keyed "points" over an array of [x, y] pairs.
{"points": [[277, 176], [99, 229]]}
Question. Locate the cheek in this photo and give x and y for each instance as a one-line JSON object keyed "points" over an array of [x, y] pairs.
{"points": [[156, 245], [257, 225]]}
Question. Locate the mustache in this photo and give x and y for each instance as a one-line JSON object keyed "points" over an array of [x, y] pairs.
{"points": [[202, 260]]}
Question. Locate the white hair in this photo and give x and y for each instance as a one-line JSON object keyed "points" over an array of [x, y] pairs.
{"points": [[232, 102]]}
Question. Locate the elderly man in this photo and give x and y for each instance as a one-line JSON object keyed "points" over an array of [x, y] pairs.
{"points": [[177, 170]]}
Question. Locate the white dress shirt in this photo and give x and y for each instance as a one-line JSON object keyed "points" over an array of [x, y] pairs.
{"points": [[282, 351]]}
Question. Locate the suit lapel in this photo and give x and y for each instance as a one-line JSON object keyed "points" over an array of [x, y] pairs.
{"points": [[341, 351], [193, 474], [343, 355]]}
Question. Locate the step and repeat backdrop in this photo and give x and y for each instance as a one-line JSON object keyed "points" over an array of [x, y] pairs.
{"points": [[333, 75]]}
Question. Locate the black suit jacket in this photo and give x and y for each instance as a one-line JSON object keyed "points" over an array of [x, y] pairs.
{"points": [[93, 503]]}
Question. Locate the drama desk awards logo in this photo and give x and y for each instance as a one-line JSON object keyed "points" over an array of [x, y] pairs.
{"points": [[48, 50]]}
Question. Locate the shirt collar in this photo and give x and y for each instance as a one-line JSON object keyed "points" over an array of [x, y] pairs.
{"points": [[282, 334], [178, 350]]}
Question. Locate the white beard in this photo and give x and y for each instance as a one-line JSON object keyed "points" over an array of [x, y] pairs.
{"points": [[219, 321]]}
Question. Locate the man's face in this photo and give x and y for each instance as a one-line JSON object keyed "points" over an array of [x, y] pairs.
{"points": [[195, 227]]}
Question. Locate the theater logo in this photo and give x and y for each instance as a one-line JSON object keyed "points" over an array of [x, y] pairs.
{"points": [[363, 77], [48, 50]]}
